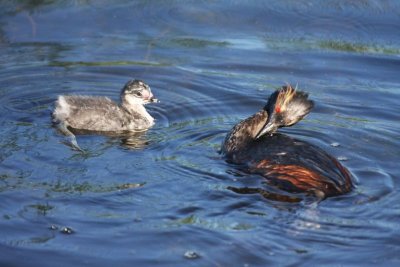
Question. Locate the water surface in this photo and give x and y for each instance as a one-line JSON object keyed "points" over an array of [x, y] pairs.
{"points": [[161, 198]]}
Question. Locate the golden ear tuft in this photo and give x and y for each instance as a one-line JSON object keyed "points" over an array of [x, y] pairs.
{"points": [[285, 95]]}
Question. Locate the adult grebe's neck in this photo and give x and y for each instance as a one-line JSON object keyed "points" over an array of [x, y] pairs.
{"points": [[244, 132]]}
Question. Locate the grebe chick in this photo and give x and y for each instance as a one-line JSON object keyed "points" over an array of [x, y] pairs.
{"points": [[288, 164], [101, 114]]}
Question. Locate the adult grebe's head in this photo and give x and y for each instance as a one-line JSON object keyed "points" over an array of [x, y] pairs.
{"points": [[285, 107], [136, 92]]}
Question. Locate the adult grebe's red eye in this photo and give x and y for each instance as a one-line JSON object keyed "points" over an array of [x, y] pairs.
{"points": [[277, 109]]}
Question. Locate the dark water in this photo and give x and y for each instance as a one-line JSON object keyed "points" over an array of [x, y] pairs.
{"points": [[161, 198]]}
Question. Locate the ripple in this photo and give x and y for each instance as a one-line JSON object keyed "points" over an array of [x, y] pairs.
{"points": [[163, 194], [69, 64], [376, 184], [22, 100], [182, 143]]}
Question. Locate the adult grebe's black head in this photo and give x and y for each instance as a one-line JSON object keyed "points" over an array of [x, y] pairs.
{"points": [[136, 92], [285, 107]]}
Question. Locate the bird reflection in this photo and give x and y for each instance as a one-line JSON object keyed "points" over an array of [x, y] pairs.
{"points": [[128, 139]]}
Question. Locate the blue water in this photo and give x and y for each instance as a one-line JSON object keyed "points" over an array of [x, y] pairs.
{"points": [[161, 198]]}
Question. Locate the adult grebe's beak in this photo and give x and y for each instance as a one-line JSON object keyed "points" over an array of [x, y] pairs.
{"points": [[269, 127]]}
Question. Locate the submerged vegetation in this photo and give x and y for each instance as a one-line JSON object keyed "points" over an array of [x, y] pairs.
{"points": [[330, 45]]}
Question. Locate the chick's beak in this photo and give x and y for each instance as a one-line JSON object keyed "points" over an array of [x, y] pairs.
{"points": [[153, 100]]}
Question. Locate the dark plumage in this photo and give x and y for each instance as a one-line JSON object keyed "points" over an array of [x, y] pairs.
{"points": [[289, 164]]}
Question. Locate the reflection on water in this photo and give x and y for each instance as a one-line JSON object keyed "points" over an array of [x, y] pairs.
{"points": [[160, 197], [134, 141], [129, 140]]}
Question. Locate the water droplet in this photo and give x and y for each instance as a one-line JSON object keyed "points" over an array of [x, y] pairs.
{"points": [[335, 144], [53, 227], [66, 230], [342, 158], [191, 255]]}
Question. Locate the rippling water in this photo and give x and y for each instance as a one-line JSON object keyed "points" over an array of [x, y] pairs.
{"points": [[161, 198]]}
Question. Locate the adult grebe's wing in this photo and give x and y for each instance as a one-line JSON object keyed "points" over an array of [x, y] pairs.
{"points": [[297, 165]]}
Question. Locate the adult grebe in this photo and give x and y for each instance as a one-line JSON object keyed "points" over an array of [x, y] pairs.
{"points": [[286, 163], [102, 115]]}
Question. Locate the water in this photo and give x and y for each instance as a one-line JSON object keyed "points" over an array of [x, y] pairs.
{"points": [[161, 198]]}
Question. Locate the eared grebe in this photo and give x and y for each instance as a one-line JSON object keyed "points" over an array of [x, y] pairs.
{"points": [[101, 115], [286, 163]]}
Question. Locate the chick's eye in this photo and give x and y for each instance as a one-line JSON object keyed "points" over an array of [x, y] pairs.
{"points": [[138, 93]]}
